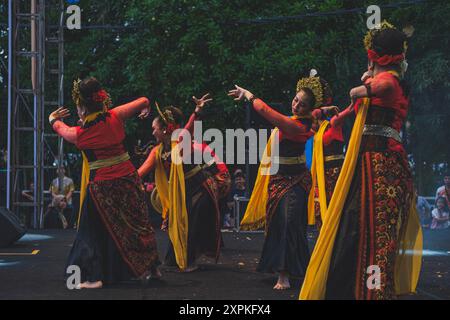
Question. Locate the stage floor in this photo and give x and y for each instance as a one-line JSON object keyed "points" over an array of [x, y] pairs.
{"points": [[26, 273]]}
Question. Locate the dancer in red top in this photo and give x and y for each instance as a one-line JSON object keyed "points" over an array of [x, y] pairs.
{"points": [[377, 216], [115, 240], [198, 231], [284, 211]]}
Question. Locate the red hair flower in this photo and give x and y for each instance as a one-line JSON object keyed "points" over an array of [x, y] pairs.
{"points": [[171, 127], [100, 96]]}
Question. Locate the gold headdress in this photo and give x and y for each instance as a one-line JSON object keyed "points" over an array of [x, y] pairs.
{"points": [[166, 115], [76, 96], [314, 84], [368, 39]]}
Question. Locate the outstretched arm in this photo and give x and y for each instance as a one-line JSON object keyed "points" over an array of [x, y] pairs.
{"points": [[63, 130], [338, 120], [199, 104], [128, 110], [284, 123], [149, 164]]}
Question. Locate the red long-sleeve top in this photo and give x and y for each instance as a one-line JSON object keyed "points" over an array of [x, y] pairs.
{"points": [[103, 138], [289, 128]]}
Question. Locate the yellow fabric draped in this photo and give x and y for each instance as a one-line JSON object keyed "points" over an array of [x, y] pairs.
{"points": [[162, 184], [85, 171], [314, 284], [255, 215], [318, 176], [409, 257], [172, 193]]}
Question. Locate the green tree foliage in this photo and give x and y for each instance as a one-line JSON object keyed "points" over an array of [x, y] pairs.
{"points": [[170, 50]]}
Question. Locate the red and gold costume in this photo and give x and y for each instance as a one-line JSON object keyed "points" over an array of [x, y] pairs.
{"points": [[191, 210], [115, 240], [371, 219], [279, 200]]}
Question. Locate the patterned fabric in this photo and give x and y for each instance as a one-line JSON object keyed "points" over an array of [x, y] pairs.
{"points": [[386, 191], [213, 187], [331, 176], [123, 209], [280, 184]]}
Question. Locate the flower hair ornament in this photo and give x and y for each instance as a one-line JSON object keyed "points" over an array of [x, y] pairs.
{"points": [[167, 118], [101, 96], [314, 84]]}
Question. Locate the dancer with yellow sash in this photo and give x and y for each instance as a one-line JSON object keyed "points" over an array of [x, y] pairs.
{"points": [[370, 243], [279, 199], [187, 193], [327, 159], [115, 240]]}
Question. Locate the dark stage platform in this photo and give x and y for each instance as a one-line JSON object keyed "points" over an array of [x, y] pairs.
{"points": [[26, 273]]}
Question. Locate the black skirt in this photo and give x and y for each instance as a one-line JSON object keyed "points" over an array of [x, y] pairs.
{"points": [[94, 251], [286, 244], [204, 237]]}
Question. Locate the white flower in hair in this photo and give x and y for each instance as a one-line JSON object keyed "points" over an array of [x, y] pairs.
{"points": [[313, 73]]}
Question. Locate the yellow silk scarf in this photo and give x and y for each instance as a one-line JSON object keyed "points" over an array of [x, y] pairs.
{"points": [[172, 193], [255, 215], [85, 171], [315, 281], [408, 261], [318, 176]]}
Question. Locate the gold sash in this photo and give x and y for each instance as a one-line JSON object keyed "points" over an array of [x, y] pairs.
{"points": [[172, 194], [318, 176]]}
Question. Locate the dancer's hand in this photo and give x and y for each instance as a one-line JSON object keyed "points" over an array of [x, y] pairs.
{"points": [[165, 225], [200, 103], [144, 113], [240, 93], [330, 111], [367, 75], [59, 114]]}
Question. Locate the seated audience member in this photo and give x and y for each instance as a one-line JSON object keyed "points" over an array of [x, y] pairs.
{"points": [[56, 215], [440, 215], [238, 190], [444, 191], [424, 211]]}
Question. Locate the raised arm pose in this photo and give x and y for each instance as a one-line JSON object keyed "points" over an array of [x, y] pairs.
{"points": [[115, 240], [279, 200], [189, 208], [371, 224]]}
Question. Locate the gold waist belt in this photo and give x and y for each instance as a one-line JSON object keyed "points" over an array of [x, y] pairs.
{"points": [[103, 163], [291, 160], [382, 131], [334, 157], [197, 169]]}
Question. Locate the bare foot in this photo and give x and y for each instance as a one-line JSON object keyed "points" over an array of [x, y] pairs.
{"points": [[283, 282], [90, 285], [155, 274], [190, 269], [280, 286]]}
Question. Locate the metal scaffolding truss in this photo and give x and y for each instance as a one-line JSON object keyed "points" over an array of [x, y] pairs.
{"points": [[35, 86]]}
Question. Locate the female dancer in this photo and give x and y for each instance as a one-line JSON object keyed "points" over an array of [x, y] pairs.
{"points": [[370, 243], [115, 239], [190, 206], [279, 201]]}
